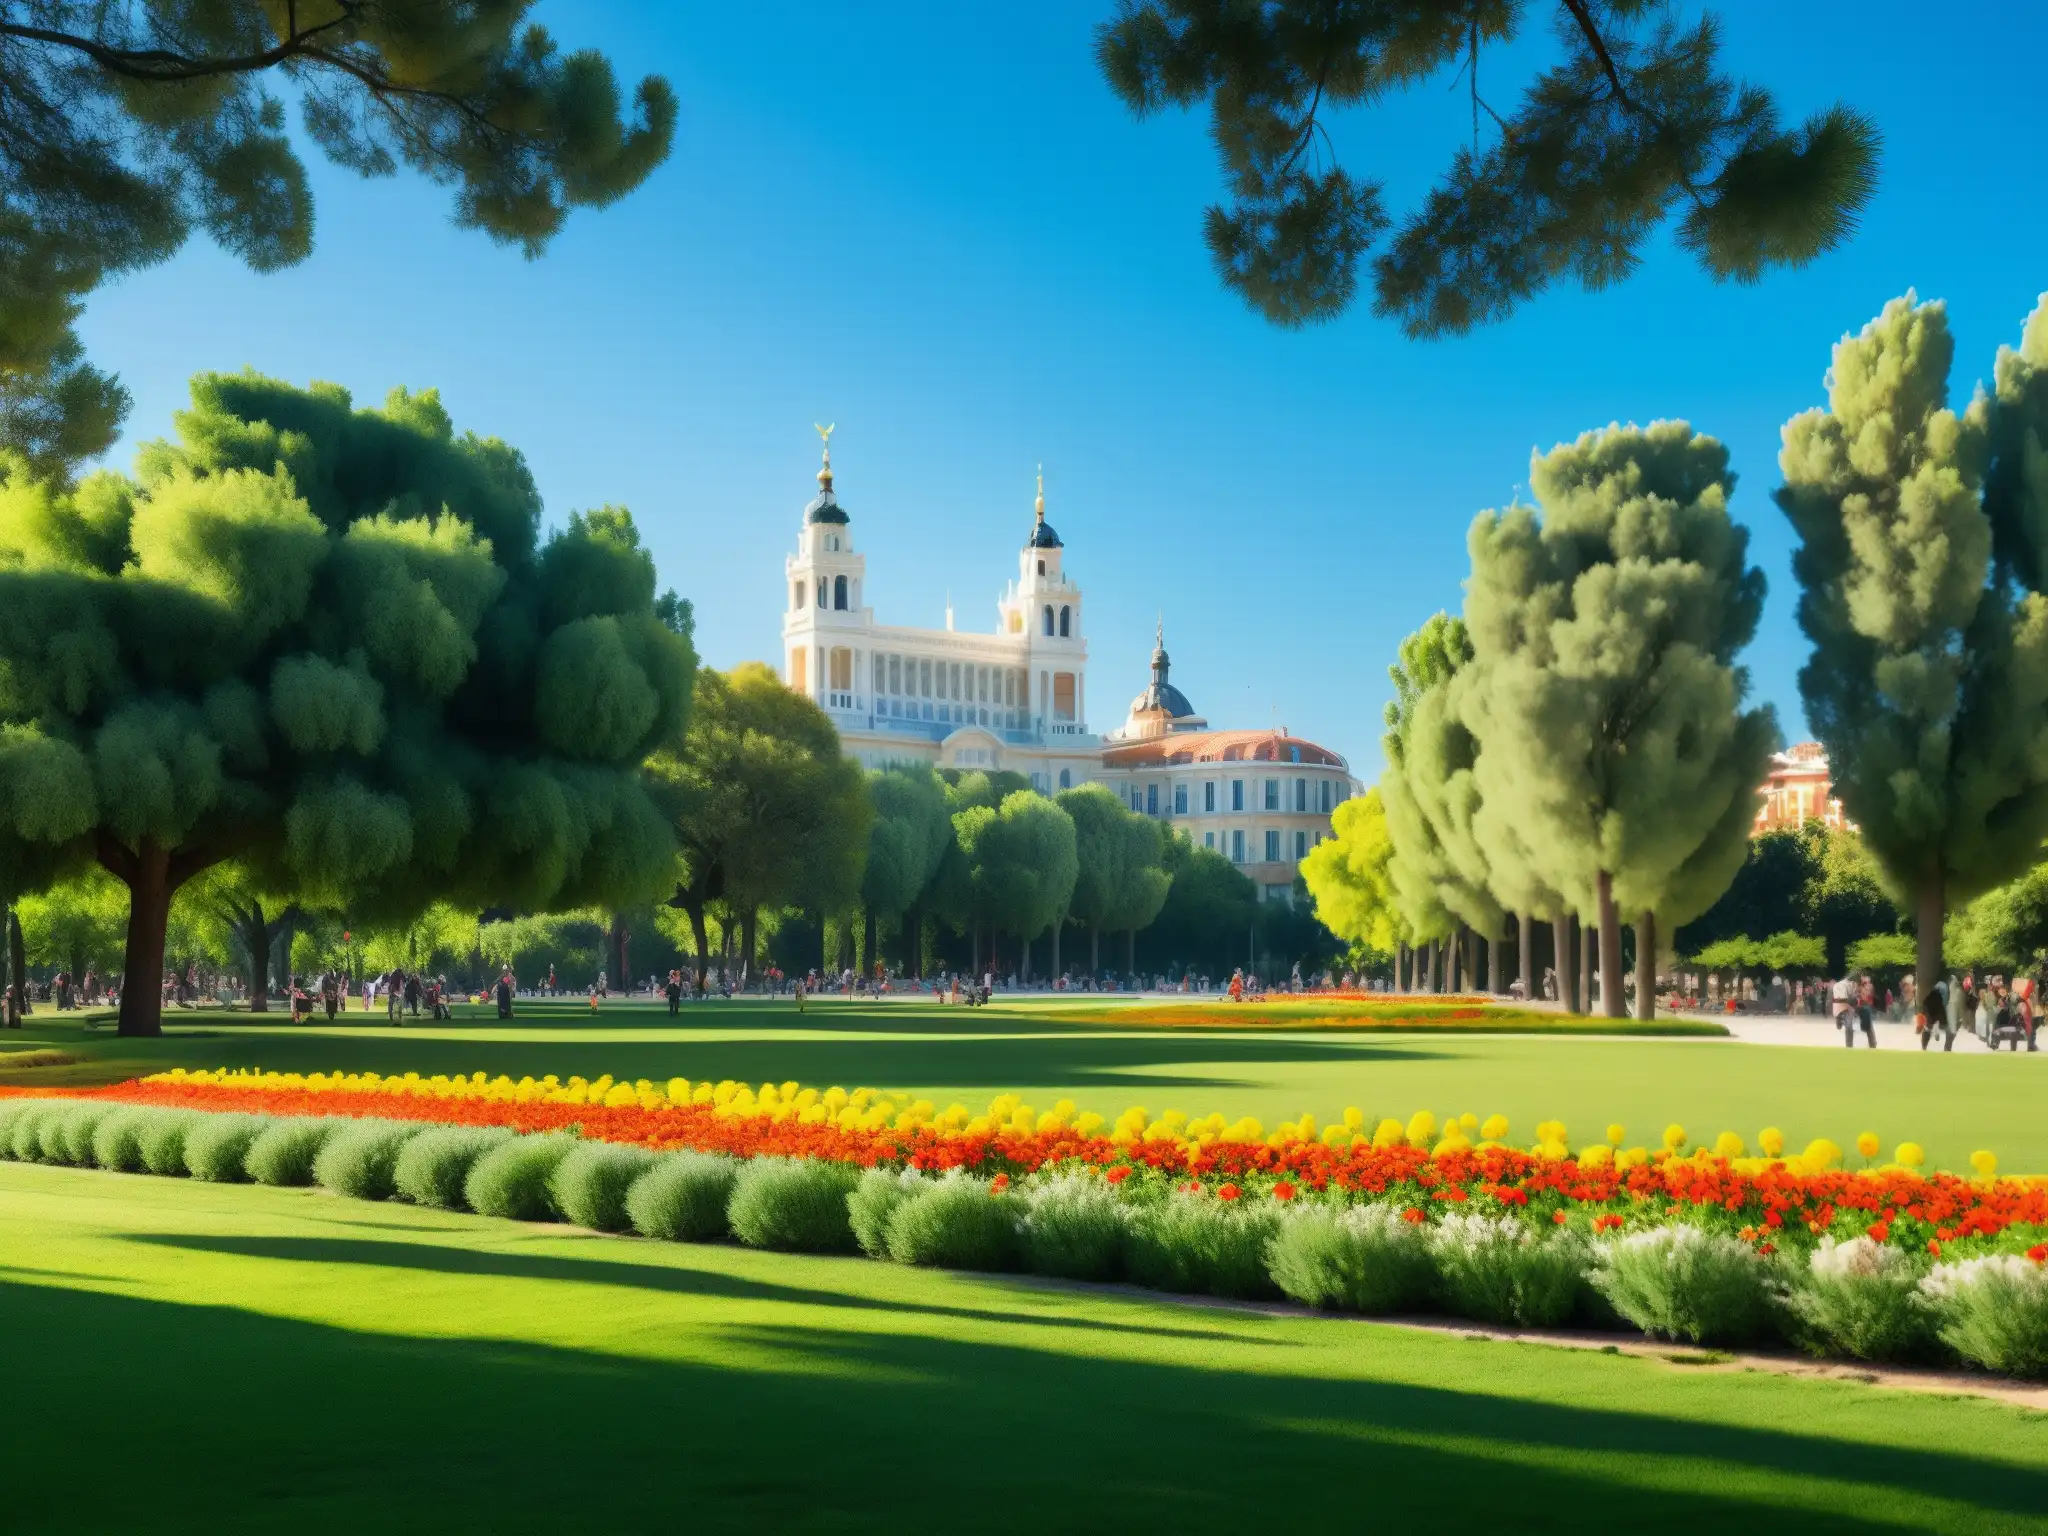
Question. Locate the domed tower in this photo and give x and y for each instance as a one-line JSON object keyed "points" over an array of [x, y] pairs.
{"points": [[1043, 608], [1162, 709], [824, 584]]}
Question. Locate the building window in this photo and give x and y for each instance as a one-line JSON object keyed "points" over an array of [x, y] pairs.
{"points": [[1324, 795], [1048, 618], [1272, 847], [1237, 846], [1237, 797], [895, 674], [1272, 794], [1041, 571], [924, 679], [1180, 799], [824, 593], [797, 597], [1294, 754], [839, 592], [1066, 778], [1301, 794], [1209, 797], [1151, 799], [797, 671], [1208, 839], [953, 676], [1066, 617], [842, 668], [1301, 845], [1063, 696], [881, 674]]}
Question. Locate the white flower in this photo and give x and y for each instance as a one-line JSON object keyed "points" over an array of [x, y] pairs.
{"points": [[1945, 1282], [1857, 1258]]}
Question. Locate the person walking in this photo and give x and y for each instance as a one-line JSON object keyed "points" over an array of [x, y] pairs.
{"points": [[505, 990], [675, 993], [1866, 1001]]}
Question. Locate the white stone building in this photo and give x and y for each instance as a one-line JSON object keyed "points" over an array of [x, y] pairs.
{"points": [[1016, 699]]}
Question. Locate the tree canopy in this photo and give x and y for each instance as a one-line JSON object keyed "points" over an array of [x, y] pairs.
{"points": [[124, 127], [1021, 862], [1634, 121], [1926, 599], [1121, 880], [1349, 876], [331, 644]]}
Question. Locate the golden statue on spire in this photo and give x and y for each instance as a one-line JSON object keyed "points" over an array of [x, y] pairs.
{"points": [[1039, 505], [825, 472]]}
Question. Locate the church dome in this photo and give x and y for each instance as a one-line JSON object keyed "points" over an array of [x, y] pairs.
{"points": [[1162, 709], [824, 507], [1042, 535]]}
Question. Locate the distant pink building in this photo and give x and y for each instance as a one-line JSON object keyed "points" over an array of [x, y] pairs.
{"points": [[1796, 790]]}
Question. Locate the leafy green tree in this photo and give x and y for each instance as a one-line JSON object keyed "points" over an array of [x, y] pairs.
{"points": [[1428, 887], [244, 915], [1021, 865], [1812, 879], [2005, 927], [441, 935], [1121, 880], [949, 896], [327, 643], [1210, 917], [1606, 700], [1635, 121], [1922, 590], [768, 811], [124, 127], [1350, 880], [1885, 954], [911, 832], [75, 924], [530, 945]]}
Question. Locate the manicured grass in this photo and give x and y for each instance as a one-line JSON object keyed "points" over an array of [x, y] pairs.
{"points": [[206, 1358], [1951, 1104]]}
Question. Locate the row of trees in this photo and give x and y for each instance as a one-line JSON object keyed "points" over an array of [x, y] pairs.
{"points": [[1577, 747]]}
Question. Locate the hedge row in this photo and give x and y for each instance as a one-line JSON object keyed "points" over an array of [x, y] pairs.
{"points": [[1857, 1298]]}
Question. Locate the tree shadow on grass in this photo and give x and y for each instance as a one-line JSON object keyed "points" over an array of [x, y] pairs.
{"points": [[681, 1279], [213, 1418]]}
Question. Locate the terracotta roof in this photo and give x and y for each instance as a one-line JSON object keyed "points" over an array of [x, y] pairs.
{"points": [[1221, 747]]}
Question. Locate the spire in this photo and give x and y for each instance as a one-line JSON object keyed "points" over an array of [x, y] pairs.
{"points": [[1159, 663], [825, 471], [1039, 505]]}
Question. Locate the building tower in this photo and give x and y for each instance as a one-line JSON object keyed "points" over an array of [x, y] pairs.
{"points": [[826, 616], [1044, 608]]}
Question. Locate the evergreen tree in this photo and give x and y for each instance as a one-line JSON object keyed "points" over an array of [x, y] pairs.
{"points": [[1428, 887], [1636, 120], [330, 644], [125, 126], [1922, 591], [1606, 699]]}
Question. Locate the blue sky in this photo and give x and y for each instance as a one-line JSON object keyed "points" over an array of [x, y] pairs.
{"points": [[931, 224]]}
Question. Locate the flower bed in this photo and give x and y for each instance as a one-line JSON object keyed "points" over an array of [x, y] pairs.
{"points": [[1709, 1245]]}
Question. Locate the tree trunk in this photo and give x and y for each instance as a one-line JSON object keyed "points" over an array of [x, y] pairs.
{"points": [[1486, 963], [867, 937], [1427, 955], [17, 972], [1130, 955], [696, 911], [257, 937], [1931, 908], [620, 958], [1095, 951], [149, 910], [750, 919], [1646, 966], [1561, 964], [1588, 942], [975, 930], [1058, 924], [1610, 950], [1525, 945]]}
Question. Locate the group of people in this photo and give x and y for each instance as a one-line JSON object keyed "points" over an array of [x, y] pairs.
{"points": [[1998, 1010]]}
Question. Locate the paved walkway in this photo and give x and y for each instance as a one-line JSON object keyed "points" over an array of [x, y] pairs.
{"points": [[1804, 1029]]}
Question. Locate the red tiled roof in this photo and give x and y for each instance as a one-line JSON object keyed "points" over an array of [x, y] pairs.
{"points": [[1220, 747]]}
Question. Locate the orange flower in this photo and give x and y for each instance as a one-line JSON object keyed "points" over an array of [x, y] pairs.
{"points": [[999, 1183], [1283, 1191]]}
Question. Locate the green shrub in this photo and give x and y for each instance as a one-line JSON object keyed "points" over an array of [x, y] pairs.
{"points": [[1202, 1245], [217, 1148], [361, 1157], [67, 1134], [117, 1140], [958, 1222], [1993, 1311], [25, 1131], [682, 1198], [1683, 1282], [433, 1167], [1074, 1227], [1861, 1298], [1494, 1269], [162, 1140], [512, 1181], [12, 1111], [590, 1184], [874, 1201], [1364, 1258], [283, 1153], [797, 1204]]}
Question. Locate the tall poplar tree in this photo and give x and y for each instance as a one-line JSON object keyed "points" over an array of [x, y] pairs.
{"points": [[911, 831], [1606, 698], [1120, 873], [1922, 582], [331, 644]]}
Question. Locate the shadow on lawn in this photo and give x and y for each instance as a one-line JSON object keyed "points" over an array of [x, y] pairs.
{"points": [[448, 1259], [220, 1418]]}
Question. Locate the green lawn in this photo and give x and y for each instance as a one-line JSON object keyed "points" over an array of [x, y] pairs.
{"points": [[1952, 1104], [204, 1358]]}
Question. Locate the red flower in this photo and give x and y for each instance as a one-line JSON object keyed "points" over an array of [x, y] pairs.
{"points": [[1119, 1173], [1934, 1247], [1414, 1215], [1228, 1192], [1766, 1248], [1559, 1217], [1878, 1232], [1283, 1191], [2038, 1253], [999, 1183]]}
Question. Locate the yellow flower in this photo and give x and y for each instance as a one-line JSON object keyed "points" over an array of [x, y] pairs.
{"points": [[1772, 1140], [1986, 1163], [1596, 1156], [1388, 1133], [1354, 1118], [1821, 1153], [1469, 1121], [1867, 1143], [1615, 1132], [1495, 1128], [1910, 1154], [1674, 1136], [1421, 1128], [1728, 1144]]}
